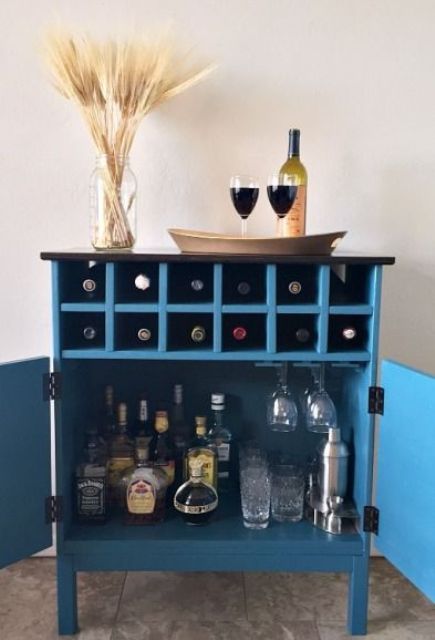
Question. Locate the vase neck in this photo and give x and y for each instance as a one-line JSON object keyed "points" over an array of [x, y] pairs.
{"points": [[105, 159]]}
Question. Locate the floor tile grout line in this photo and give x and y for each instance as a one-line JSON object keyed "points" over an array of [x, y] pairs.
{"points": [[245, 597], [121, 593]]}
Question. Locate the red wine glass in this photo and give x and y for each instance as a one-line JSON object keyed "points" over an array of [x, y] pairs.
{"points": [[281, 197], [244, 192]]}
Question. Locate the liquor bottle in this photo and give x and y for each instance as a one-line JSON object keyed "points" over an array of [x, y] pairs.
{"points": [[196, 499], [221, 436], [294, 173], [120, 457], [109, 420], [91, 484], [181, 431], [202, 449], [144, 488], [143, 432], [198, 334], [161, 451]]}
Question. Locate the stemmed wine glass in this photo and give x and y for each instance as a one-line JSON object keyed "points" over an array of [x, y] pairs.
{"points": [[244, 192], [321, 414], [282, 411], [281, 197]]}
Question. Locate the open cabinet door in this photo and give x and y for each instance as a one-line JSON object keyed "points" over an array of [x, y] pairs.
{"points": [[406, 475], [25, 473]]}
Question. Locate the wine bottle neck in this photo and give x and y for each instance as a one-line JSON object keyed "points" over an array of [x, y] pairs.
{"points": [[294, 143]]}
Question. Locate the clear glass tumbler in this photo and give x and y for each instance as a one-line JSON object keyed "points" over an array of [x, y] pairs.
{"points": [[288, 489], [255, 494]]}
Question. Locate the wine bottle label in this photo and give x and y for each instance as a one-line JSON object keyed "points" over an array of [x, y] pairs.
{"points": [[195, 509], [161, 424], [141, 497], [294, 222], [91, 497], [168, 467]]}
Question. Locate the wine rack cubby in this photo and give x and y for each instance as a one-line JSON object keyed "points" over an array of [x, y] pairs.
{"points": [[283, 310]]}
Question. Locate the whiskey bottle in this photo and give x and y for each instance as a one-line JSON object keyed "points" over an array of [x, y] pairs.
{"points": [[120, 458], [221, 437], [162, 453], [196, 499], [90, 484], [108, 427], [203, 451], [144, 489]]}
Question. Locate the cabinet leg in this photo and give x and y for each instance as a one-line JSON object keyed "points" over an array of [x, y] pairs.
{"points": [[66, 596], [358, 597]]}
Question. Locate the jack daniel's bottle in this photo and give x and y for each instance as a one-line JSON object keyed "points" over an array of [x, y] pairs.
{"points": [[90, 484]]}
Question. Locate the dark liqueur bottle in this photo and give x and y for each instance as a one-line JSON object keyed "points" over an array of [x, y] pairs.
{"points": [[196, 500]]}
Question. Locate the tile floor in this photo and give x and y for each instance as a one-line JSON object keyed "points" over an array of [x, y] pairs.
{"points": [[210, 606]]}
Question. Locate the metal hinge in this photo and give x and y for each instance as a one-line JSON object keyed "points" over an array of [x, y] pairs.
{"points": [[53, 509], [371, 520], [376, 400], [52, 386]]}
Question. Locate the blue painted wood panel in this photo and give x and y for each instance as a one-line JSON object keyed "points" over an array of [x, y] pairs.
{"points": [[25, 471], [405, 484]]}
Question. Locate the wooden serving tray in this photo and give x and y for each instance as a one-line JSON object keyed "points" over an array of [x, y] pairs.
{"points": [[190, 241]]}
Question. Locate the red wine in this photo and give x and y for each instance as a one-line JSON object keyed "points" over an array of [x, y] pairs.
{"points": [[281, 197], [244, 199]]}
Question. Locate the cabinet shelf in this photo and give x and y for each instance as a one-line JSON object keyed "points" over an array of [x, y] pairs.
{"points": [[351, 309], [83, 307]]}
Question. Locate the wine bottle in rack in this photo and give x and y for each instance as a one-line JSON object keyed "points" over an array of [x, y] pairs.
{"points": [[142, 282], [197, 285], [90, 333], [240, 333], [346, 336], [144, 334], [89, 287], [243, 288], [198, 334], [302, 335], [293, 173]]}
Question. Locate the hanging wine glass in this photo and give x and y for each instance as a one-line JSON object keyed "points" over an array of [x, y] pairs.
{"points": [[307, 394], [282, 411], [322, 414]]}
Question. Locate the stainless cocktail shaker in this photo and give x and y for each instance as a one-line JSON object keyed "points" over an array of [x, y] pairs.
{"points": [[333, 468]]}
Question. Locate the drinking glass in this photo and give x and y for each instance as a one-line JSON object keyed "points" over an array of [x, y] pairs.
{"points": [[255, 493], [281, 196], [282, 411], [244, 192], [322, 414], [287, 493]]}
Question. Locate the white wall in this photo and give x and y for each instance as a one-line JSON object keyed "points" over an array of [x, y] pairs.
{"points": [[355, 75]]}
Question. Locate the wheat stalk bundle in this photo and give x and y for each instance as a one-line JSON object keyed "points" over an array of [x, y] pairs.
{"points": [[115, 84]]}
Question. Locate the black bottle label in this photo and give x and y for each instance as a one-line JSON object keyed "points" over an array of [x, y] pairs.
{"points": [[195, 509], [91, 498]]}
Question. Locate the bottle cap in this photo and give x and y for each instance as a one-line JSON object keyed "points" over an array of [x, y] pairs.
{"points": [[142, 453], [89, 285], [144, 334], [349, 333], [197, 285], [239, 333], [295, 287], [89, 333], [218, 401], [243, 288], [161, 423], [143, 410], [142, 282], [109, 393], [198, 334], [302, 335]]}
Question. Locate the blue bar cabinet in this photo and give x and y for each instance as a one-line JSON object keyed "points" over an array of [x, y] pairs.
{"points": [[334, 291]]}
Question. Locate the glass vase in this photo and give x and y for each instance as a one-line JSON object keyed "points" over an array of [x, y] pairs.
{"points": [[113, 192]]}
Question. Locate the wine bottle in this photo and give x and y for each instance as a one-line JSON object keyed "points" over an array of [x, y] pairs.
{"points": [[302, 335], [144, 334], [244, 288], [89, 333], [142, 282], [294, 173], [349, 333], [89, 286], [240, 334], [198, 334], [220, 435], [294, 287], [197, 285]]}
